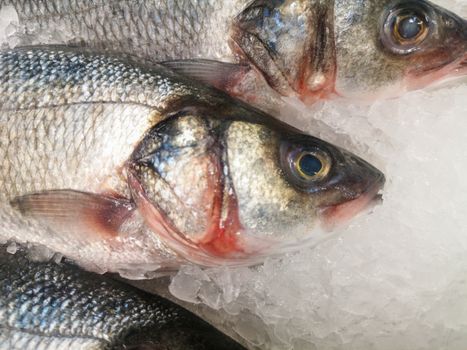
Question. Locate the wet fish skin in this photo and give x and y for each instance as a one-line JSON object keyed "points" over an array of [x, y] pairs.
{"points": [[310, 49], [153, 30], [318, 48], [392, 67], [130, 167], [290, 42], [57, 306], [57, 131]]}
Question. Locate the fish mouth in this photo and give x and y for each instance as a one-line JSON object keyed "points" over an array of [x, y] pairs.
{"points": [[455, 68], [438, 73], [341, 213], [463, 63]]}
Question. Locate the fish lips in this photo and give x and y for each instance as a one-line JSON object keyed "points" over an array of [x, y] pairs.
{"points": [[359, 188], [463, 61], [341, 213], [447, 57]]}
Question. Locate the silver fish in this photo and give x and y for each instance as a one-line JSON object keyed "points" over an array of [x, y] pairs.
{"points": [[311, 49], [364, 49], [120, 166], [153, 30], [50, 306]]}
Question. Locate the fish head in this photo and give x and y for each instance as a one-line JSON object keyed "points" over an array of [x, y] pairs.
{"points": [[234, 189], [290, 43], [384, 48], [365, 49]]}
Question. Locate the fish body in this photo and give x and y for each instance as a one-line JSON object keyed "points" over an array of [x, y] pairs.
{"points": [[121, 166], [57, 306], [309, 49], [153, 30]]}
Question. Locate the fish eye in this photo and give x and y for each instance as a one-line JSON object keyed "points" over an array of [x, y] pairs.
{"points": [[308, 165], [404, 29], [409, 28], [304, 166]]}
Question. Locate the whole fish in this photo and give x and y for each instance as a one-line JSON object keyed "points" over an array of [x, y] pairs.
{"points": [[51, 306], [120, 166], [310, 49]]}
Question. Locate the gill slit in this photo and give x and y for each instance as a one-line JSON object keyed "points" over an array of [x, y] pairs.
{"points": [[321, 50]]}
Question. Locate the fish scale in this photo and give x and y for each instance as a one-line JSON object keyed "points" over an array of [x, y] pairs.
{"points": [[51, 306], [310, 49], [155, 30], [77, 84], [130, 167]]}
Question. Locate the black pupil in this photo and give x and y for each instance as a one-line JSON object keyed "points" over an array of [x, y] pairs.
{"points": [[310, 165], [410, 27]]}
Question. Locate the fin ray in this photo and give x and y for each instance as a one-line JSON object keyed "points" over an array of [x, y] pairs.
{"points": [[76, 213]]}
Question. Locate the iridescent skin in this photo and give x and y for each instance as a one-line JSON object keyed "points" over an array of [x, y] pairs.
{"points": [[314, 49], [366, 68], [155, 30], [311, 49], [50, 306], [291, 43], [136, 166]]}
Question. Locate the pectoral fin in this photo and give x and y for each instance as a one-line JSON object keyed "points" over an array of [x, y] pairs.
{"points": [[221, 75], [79, 214]]}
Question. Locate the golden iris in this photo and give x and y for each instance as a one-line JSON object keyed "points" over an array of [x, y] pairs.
{"points": [[409, 29], [311, 165]]}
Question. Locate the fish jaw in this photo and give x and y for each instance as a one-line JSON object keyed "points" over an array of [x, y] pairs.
{"points": [[364, 185], [444, 58], [340, 214], [389, 66], [445, 63], [416, 80]]}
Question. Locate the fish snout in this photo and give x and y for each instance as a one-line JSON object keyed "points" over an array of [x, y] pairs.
{"points": [[360, 188], [464, 32], [367, 179]]}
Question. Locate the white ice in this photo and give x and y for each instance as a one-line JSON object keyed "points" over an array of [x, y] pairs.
{"points": [[393, 279]]}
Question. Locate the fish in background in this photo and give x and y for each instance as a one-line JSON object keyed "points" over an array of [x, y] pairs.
{"points": [[123, 167], [44, 305], [359, 49], [308, 49]]}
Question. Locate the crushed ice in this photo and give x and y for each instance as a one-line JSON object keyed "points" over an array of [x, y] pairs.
{"points": [[393, 279]]}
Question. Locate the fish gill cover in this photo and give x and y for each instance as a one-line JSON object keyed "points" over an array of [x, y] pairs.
{"points": [[395, 279]]}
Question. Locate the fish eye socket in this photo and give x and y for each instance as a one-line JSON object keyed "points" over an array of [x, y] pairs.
{"points": [[304, 167], [404, 29]]}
